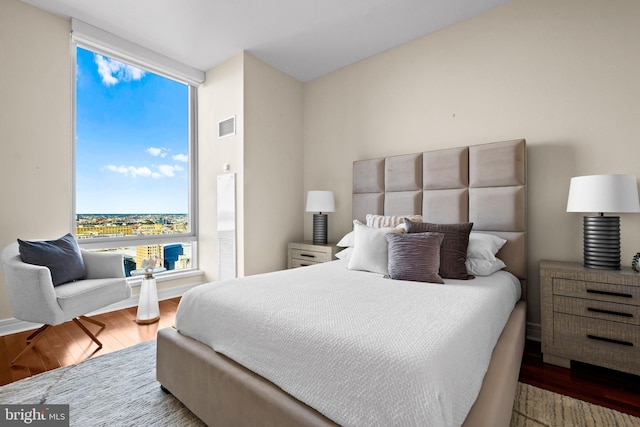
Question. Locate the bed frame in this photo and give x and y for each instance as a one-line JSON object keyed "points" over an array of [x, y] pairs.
{"points": [[484, 184]]}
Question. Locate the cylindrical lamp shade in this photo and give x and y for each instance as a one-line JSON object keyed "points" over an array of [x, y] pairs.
{"points": [[601, 234], [320, 201]]}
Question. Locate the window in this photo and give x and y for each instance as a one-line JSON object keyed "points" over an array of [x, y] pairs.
{"points": [[134, 163]]}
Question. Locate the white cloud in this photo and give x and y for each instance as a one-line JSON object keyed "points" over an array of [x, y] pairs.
{"points": [[162, 171], [113, 71], [181, 158], [131, 170], [155, 152], [169, 170]]}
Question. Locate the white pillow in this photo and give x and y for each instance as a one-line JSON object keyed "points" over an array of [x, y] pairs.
{"points": [[370, 251], [483, 267], [346, 241], [484, 246], [345, 254]]}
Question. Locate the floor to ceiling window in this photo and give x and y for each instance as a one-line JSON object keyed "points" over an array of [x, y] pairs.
{"points": [[134, 163]]}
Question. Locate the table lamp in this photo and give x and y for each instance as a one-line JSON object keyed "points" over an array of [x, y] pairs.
{"points": [[320, 201], [601, 234]]}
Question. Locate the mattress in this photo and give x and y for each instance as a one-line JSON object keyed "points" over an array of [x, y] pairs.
{"points": [[359, 348]]}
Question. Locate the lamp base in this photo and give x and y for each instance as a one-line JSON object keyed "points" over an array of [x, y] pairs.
{"points": [[320, 229], [602, 242]]}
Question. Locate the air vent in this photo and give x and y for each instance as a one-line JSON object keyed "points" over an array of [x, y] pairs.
{"points": [[227, 127]]}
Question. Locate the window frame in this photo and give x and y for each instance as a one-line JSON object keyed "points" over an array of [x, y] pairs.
{"points": [[192, 214]]}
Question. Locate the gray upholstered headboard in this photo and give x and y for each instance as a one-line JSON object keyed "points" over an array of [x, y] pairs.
{"points": [[484, 184]]}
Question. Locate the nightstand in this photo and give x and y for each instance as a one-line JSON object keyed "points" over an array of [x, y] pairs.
{"points": [[301, 254], [592, 316]]}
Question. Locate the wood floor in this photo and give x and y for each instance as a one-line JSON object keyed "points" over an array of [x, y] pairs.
{"points": [[66, 345], [601, 386]]}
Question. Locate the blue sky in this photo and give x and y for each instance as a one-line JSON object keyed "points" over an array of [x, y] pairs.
{"points": [[131, 139]]}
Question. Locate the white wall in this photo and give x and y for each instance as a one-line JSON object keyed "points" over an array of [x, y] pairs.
{"points": [[562, 74]]}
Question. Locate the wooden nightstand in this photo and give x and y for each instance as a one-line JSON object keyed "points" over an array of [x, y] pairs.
{"points": [[301, 254], [591, 316]]}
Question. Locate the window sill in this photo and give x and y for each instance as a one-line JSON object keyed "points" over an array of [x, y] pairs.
{"points": [[166, 276]]}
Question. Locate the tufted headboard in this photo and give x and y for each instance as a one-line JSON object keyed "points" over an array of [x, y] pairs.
{"points": [[484, 184]]}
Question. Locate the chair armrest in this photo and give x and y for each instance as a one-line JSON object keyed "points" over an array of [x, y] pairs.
{"points": [[103, 265], [30, 288]]}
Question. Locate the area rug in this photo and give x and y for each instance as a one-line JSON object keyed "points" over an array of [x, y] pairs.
{"points": [[116, 389], [120, 389], [535, 407]]}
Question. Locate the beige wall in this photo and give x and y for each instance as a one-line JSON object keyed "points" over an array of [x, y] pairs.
{"points": [[565, 75], [273, 202], [220, 97], [35, 127], [265, 154]]}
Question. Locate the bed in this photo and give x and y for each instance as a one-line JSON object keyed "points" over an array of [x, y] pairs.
{"points": [[243, 383]]}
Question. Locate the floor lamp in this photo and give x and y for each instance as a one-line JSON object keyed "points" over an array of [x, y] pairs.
{"points": [[320, 201], [601, 234]]}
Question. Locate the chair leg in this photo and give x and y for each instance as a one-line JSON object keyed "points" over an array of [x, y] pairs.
{"points": [[95, 322], [33, 338], [33, 335], [88, 332]]}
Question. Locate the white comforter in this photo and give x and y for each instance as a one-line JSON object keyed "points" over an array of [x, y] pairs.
{"points": [[361, 349]]}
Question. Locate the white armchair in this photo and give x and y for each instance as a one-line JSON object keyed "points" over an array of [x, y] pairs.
{"points": [[33, 297]]}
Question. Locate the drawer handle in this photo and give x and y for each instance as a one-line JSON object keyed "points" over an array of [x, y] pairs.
{"points": [[307, 255], [615, 313], [611, 340], [613, 294], [304, 265]]}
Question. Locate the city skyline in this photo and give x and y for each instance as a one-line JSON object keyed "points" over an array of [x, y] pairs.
{"points": [[132, 137]]}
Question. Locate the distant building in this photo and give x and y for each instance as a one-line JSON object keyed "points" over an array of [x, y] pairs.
{"points": [[154, 252], [129, 265], [171, 255]]}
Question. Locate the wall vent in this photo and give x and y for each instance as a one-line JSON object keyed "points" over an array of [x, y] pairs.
{"points": [[227, 127]]}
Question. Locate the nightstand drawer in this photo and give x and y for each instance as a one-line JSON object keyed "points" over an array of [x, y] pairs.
{"points": [[301, 254], [295, 263], [600, 342], [597, 309], [310, 255], [629, 295]]}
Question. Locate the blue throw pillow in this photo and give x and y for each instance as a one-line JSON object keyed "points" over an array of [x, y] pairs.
{"points": [[62, 257]]}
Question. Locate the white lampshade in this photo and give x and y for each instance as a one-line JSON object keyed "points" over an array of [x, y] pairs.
{"points": [[603, 193], [320, 201]]}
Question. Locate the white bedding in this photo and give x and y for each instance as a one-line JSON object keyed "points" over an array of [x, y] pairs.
{"points": [[359, 348]]}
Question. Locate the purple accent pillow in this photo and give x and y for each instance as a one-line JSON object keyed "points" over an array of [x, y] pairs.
{"points": [[453, 252], [415, 256], [61, 256]]}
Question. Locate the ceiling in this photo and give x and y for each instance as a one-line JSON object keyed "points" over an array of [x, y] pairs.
{"points": [[303, 38]]}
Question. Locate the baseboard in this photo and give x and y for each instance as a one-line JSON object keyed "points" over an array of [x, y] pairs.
{"points": [[534, 332], [12, 326]]}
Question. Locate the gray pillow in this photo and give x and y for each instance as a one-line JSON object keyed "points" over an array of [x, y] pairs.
{"points": [[415, 256], [62, 257], [453, 252]]}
